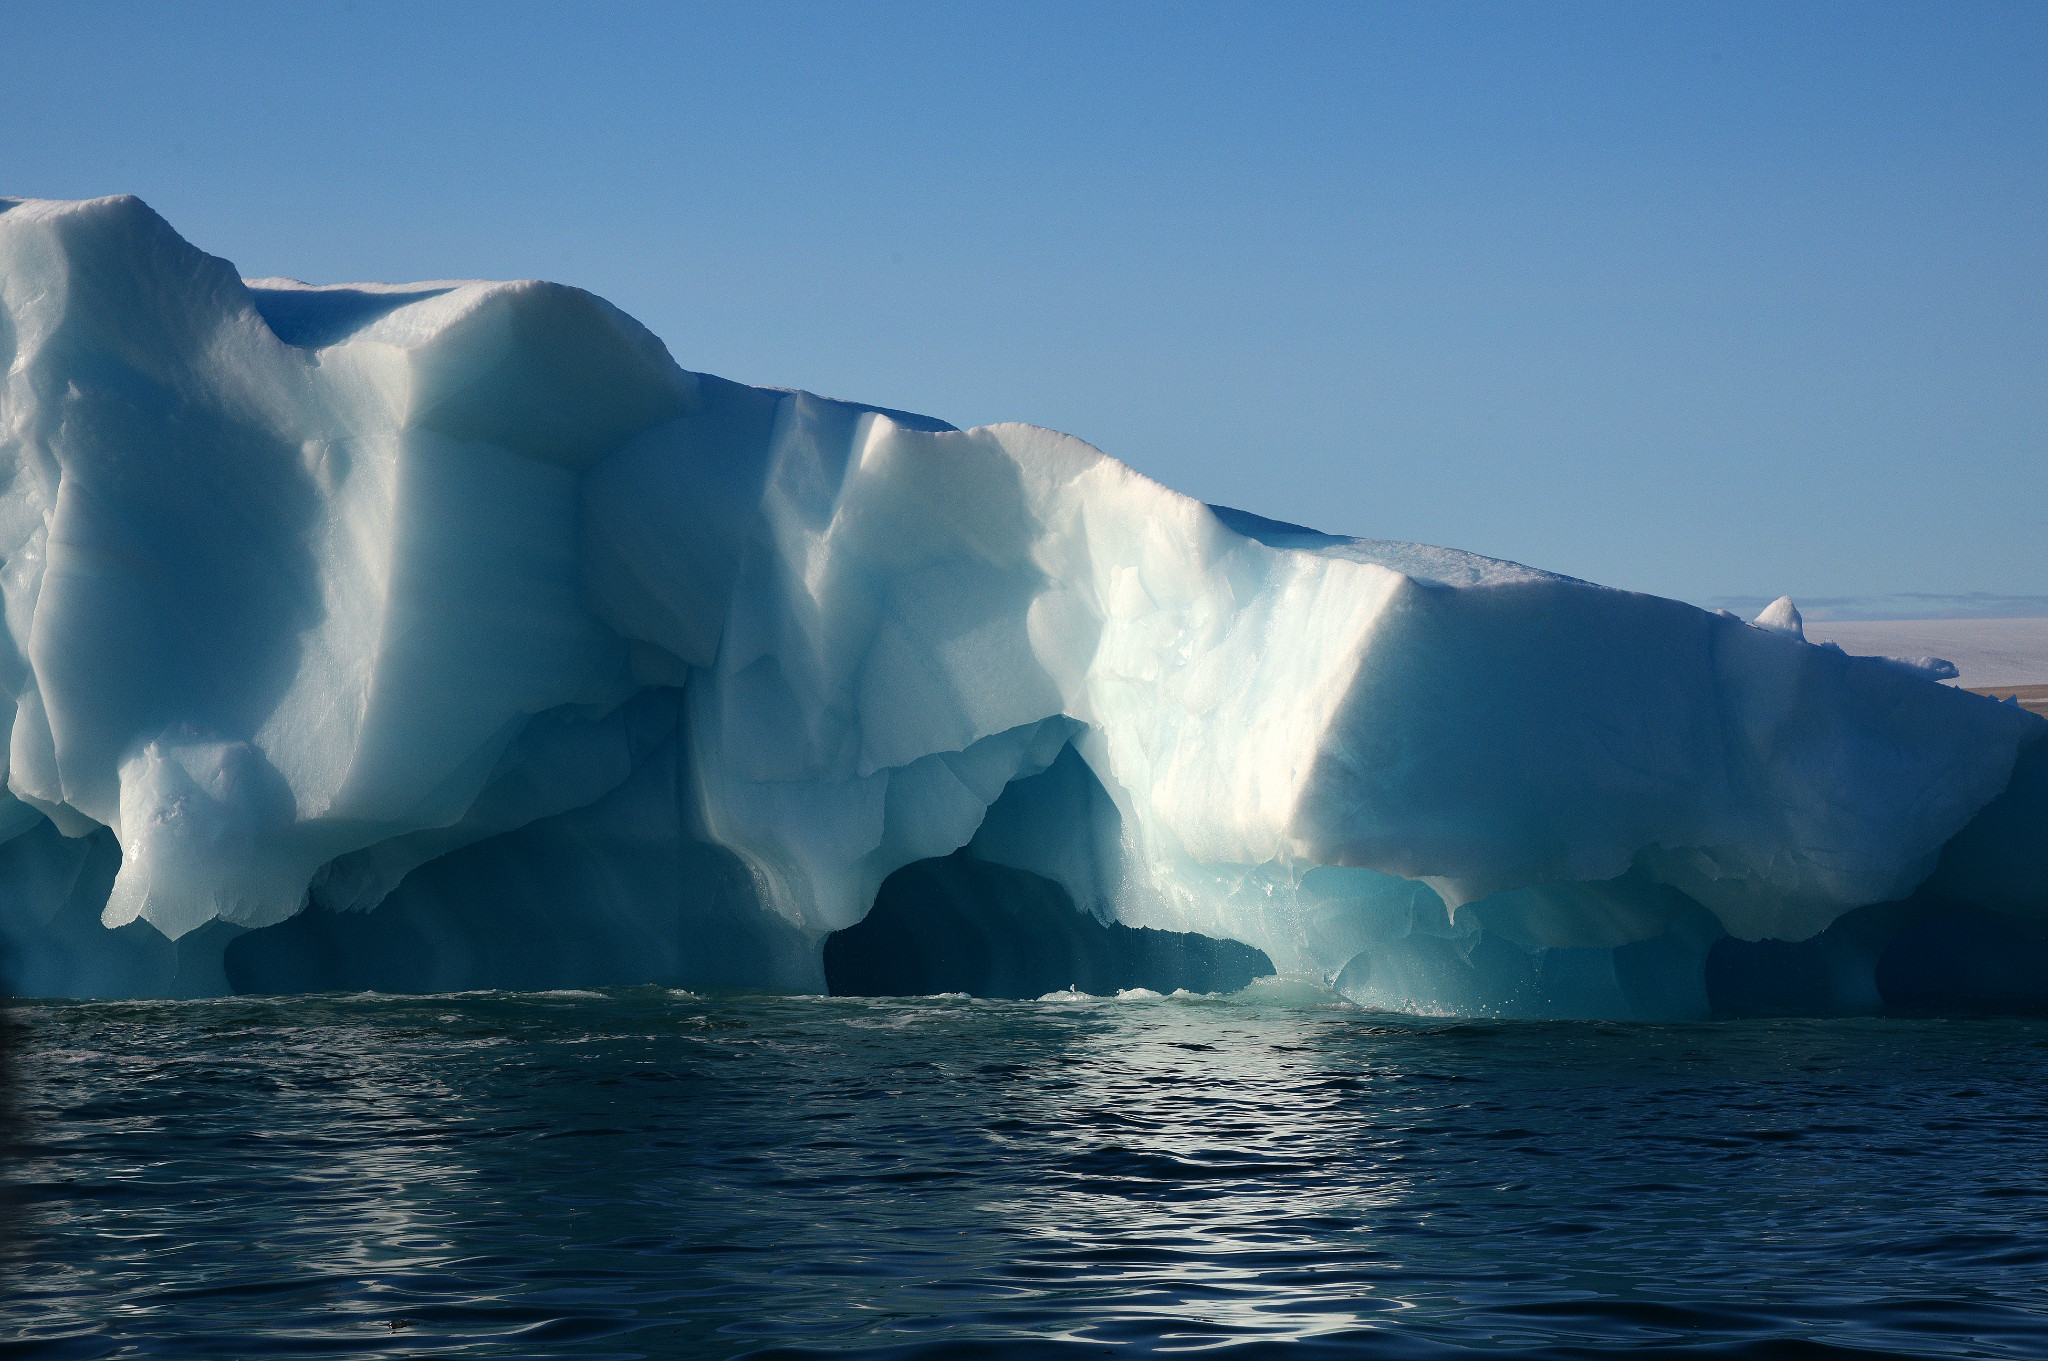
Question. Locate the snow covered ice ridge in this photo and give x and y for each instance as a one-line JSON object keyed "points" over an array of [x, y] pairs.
{"points": [[450, 635]]}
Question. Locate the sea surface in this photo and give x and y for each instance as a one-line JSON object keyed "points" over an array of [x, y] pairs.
{"points": [[646, 1173]]}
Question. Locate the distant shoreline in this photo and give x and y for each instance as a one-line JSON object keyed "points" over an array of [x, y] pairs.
{"points": [[2033, 698]]}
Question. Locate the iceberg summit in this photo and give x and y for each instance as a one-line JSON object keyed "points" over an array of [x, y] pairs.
{"points": [[450, 635]]}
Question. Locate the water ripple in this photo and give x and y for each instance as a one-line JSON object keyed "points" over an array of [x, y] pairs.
{"points": [[642, 1173]]}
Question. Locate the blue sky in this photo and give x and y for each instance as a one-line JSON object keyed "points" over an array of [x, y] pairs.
{"points": [[1712, 301]]}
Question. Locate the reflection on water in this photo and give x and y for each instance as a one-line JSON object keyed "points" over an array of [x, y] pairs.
{"points": [[643, 1173], [10, 1130]]}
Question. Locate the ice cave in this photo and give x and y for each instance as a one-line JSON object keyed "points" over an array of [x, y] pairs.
{"points": [[450, 635]]}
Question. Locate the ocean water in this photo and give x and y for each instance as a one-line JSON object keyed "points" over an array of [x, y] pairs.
{"points": [[641, 1173]]}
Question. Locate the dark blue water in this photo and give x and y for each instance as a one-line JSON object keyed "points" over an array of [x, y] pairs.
{"points": [[642, 1173]]}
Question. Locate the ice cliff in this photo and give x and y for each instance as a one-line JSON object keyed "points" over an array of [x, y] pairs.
{"points": [[450, 634]]}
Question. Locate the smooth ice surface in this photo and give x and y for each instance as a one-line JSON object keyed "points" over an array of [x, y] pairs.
{"points": [[462, 606]]}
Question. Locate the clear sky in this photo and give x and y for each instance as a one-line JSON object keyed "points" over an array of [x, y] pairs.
{"points": [[1712, 301]]}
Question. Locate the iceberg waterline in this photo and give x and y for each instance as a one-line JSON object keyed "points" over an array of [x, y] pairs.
{"points": [[451, 634]]}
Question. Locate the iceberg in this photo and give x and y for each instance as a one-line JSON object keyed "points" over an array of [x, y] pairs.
{"points": [[452, 635]]}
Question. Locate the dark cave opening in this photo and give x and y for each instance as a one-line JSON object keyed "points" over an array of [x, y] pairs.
{"points": [[958, 924]]}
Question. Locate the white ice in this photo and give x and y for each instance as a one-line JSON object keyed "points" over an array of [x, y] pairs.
{"points": [[1782, 616]]}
